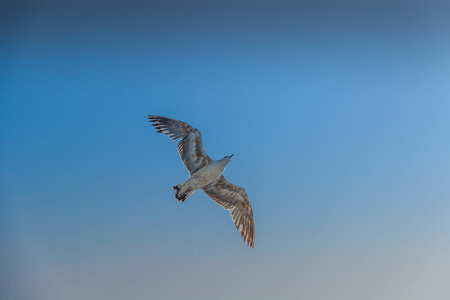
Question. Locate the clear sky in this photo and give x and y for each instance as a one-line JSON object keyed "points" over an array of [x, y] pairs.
{"points": [[337, 112]]}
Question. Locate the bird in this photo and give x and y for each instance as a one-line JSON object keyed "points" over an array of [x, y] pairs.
{"points": [[206, 174]]}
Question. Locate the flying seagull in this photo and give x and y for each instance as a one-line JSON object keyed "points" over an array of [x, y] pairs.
{"points": [[206, 174]]}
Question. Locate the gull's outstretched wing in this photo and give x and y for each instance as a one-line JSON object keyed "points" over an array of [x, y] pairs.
{"points": [[190, 146], [234, 198]]}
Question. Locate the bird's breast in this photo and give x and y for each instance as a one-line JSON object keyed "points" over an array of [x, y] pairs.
{"points": [[208, 173]]}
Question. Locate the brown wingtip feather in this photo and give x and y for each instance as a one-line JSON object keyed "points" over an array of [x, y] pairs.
{"points": [[154, 119], [248, 237], [156, 123]]}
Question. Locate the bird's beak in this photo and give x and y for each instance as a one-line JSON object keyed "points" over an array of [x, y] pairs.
{"points": [[231, 156]]}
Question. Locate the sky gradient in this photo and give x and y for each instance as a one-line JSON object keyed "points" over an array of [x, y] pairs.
{"points": [[337, 112]]}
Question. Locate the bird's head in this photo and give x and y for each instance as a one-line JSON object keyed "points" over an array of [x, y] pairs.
{"points": [[228, 158]]}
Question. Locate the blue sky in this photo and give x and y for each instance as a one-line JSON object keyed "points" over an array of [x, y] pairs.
{"points": [[337, 113]]}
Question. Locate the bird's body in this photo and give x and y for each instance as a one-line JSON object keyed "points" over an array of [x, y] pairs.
{"points": [[206, 174], [201, 178]]}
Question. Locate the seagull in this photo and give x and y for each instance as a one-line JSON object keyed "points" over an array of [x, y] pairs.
{"points": [[206, 174]]}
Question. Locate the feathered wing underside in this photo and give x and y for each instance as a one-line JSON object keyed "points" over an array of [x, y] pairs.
{"points": [[189, 147], [234, 198]]}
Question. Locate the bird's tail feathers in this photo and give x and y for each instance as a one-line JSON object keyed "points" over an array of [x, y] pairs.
{"points": [[183, 191]]}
